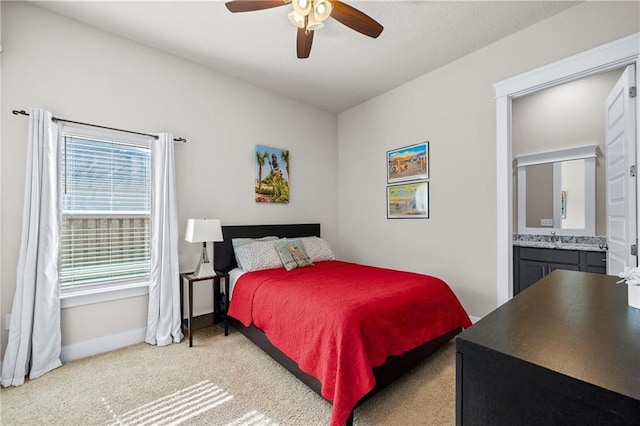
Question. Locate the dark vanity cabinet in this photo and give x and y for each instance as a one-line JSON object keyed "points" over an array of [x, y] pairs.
{"points": [[530, 264]]}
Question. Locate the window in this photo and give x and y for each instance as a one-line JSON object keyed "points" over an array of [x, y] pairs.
{"points": [[106, 207]]}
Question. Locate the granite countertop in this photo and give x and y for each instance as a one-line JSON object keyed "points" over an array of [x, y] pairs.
{"points": [[565, 242]]}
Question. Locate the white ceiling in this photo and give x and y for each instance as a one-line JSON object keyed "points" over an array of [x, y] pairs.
{"points": [[344, 69]]}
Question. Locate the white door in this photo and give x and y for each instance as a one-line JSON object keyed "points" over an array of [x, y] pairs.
{"points": [[620, 136]]}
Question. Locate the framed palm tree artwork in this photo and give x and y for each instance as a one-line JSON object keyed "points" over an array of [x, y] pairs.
{"points": [[271, 175]]}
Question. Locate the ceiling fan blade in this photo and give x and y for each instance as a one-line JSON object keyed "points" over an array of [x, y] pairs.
{"points": [[251, 5], [354, 19], [305, 40]]}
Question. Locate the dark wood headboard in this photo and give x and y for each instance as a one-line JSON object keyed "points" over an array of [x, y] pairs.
{"points": [[223, 258]]}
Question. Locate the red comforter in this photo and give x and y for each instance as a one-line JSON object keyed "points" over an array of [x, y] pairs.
{"points": [[339, 320]]}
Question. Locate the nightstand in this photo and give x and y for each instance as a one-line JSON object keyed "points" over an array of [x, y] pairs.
{"points": [[220, 302]]}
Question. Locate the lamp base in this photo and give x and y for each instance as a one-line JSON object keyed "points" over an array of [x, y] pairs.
{"points": [[204, 268]]}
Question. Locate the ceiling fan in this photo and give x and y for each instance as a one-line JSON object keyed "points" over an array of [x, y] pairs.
{"points": [[309, 15]]}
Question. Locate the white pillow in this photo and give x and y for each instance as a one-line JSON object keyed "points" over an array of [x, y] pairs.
{"points": [[318, 249], [237, 242], [258, 256]]}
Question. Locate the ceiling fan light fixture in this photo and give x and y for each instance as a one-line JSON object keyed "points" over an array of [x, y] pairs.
{"points": [[302, 7], [322, 9], [313, 25], [309, 16], [296, 19]]}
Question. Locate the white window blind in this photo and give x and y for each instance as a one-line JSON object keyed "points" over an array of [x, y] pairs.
{"points": [[106, 205]]}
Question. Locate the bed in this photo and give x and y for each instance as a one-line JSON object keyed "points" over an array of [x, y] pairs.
{"points": [[344, 364]]}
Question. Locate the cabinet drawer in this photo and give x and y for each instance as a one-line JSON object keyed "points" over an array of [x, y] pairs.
{"points": [[550, 255], [552, 266], [596, 258]]}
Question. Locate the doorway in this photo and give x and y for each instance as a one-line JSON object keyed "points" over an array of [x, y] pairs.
{"points": [[569, 115], [607, 57]]}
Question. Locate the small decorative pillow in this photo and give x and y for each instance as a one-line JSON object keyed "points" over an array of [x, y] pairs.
{"points": [[258, 256], [318, 249], [238, 242], [292, 253]]}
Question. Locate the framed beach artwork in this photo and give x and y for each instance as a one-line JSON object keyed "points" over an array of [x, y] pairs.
{"points": [[408, 163], [408, 200], [271, 175]]}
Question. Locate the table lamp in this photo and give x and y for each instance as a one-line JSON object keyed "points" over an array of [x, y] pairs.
{"points": [[201, 231]]}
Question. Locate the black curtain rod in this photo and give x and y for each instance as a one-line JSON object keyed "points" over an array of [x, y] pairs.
{"points": [[56, 119]]}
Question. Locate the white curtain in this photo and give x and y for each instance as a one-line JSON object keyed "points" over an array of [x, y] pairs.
{"points": [[163, 318], [34, 336]]}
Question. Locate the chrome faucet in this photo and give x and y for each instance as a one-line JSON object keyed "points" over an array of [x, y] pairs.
{"points": [[554, 238]]}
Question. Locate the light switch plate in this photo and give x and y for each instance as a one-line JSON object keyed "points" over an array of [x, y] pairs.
{"points": [[546, 222]]}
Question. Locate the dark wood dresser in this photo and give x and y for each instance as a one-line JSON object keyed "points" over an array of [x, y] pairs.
{"points": [[566, 351]]}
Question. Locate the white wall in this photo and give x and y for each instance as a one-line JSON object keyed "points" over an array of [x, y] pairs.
{"points": [[453, 108], [81, 73]]}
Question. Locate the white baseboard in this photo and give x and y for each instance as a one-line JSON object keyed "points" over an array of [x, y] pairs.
{"points": [[102, 344], [115, 341]]}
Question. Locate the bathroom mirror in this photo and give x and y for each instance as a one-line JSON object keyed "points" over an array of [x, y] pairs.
{"points": [[557, 192]]}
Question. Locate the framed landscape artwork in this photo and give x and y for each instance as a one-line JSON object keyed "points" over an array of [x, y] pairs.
{"points": [[408, 163], [408, 200], [271, 175]]}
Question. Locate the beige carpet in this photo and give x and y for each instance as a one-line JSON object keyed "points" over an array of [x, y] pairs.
{"points": [[219, 381]]}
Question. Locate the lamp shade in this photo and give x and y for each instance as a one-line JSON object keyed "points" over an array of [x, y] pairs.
{"points": [[303, 7], [203, 230], [296, 19], [313, 23], [322, 9]]}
